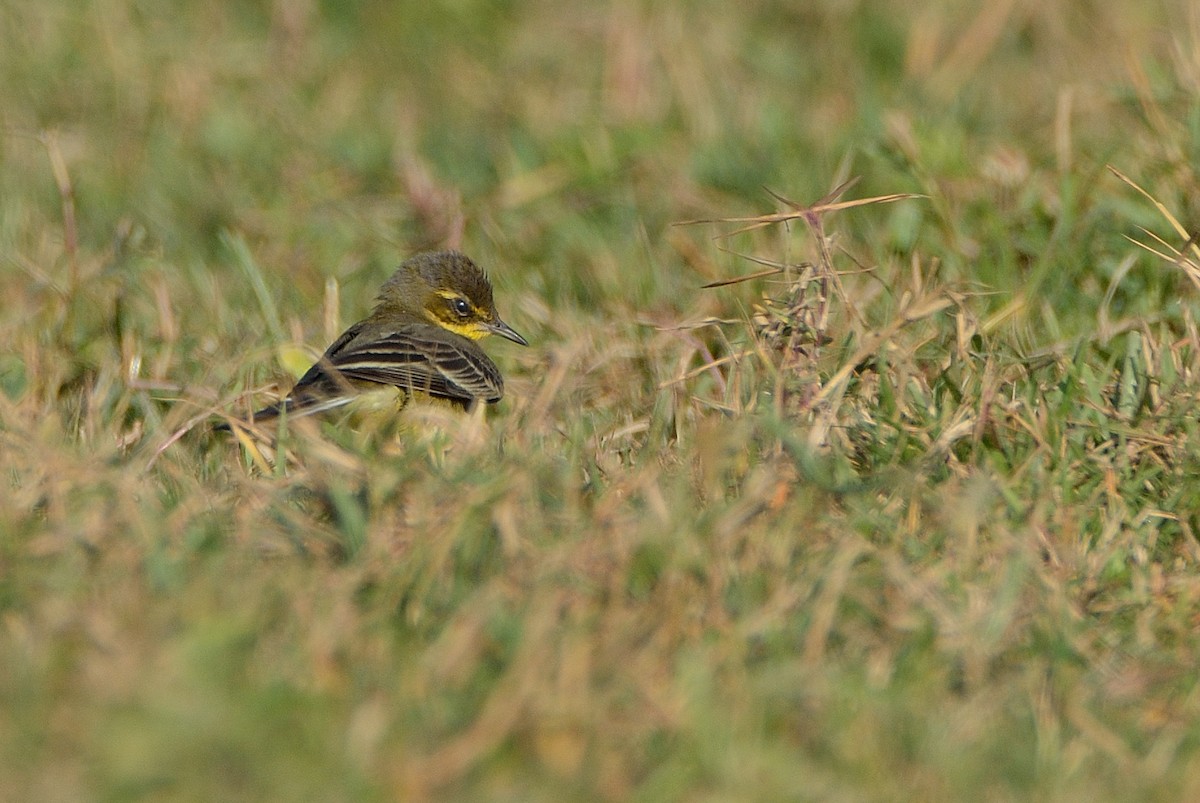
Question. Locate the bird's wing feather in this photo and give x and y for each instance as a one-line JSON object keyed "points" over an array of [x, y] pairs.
{"points": [[413, 357], [443, 365], [417, 358]]}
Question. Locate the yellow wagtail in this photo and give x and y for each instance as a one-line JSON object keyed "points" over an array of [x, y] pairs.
{"points": [[420, 339]]}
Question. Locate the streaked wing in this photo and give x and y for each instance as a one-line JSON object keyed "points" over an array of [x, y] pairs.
{"points": [[416, 358]]}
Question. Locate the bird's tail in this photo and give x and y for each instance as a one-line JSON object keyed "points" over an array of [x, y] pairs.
{"points": [[296, 406]]}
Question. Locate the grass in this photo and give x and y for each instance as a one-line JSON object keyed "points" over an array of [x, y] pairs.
{"points": [[911, 517]]}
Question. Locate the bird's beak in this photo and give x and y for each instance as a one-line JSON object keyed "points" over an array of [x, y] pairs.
{"points": [[499, 327]]}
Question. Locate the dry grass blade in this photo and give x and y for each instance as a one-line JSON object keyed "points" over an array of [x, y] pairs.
{"points": [[774, 267], [714, 363], [800, 212], [175, 437], [1175, 256], [749, 277], [828, 198], [1166, 213], [66, 192]]}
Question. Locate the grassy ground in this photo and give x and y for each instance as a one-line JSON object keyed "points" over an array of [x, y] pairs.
{"points": [[923, 530]]}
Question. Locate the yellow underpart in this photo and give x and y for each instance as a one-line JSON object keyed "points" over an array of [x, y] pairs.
{"points": [[378, 411]]}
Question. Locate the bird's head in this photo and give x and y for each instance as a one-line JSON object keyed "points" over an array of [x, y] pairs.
{"points": [[448, 290]]}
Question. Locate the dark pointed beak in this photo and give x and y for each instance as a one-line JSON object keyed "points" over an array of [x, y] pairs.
{"points": [[499, 327]]}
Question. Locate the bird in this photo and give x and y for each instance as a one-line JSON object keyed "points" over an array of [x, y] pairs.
{"points": [[421, 339]]}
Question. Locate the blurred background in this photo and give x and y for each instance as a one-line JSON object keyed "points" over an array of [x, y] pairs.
{"points": [[557, 142]]}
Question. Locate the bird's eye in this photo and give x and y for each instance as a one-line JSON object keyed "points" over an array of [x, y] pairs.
{"points": [[462, 307]]}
